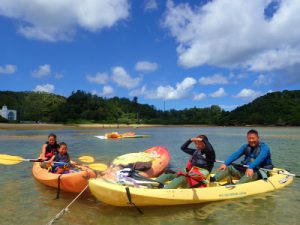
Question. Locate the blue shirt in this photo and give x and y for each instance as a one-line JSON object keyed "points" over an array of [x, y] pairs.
{"points": [[262, 159]]}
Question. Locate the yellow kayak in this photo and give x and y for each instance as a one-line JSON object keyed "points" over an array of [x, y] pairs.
{"points": [[116, 194]]}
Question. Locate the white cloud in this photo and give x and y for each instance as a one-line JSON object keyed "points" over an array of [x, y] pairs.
{"points": [[168, 92], [123, 79], [98, 78], [199, 96], [214, 79], [248, 94], [240, 36], [45, 88], [8, 69], [138, 92], [151, 5], [145, 66], [107, 91], [58, 20], [42, 71], [263, 80], [219, 93]]}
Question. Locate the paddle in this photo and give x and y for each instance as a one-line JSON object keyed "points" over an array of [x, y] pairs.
{"points": [[12, 160], [86, 159], [97, 166], [268, 170]]}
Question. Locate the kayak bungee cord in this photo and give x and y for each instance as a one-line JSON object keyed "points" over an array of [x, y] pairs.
{"points": [[130, 201], [61, 213], [58, 186]]}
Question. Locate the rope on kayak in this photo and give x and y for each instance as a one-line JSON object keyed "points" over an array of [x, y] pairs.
{"points": [[66, 209], [58, 187], [130, 201]]}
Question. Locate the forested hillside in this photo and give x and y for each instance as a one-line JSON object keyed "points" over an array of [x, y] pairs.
{"points": [[277, 108]]}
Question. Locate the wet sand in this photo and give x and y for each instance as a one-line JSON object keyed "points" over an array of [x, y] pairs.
{"points": [[45, 126]]}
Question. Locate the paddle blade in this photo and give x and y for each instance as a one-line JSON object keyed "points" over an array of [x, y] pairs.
{"points": [[10, 159], [86, 159], [98, 166]]}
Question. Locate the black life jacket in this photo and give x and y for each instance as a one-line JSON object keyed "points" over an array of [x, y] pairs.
{"points": [[248, 151], [51, 150], [198, 159]]}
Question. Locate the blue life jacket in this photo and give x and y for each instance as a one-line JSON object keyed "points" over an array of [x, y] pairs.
{"points": [[252, 153]]}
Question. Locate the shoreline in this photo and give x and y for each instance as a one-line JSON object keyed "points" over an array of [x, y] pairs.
{"points": [[49, 126]]}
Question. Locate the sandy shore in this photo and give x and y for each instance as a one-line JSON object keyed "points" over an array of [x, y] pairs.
{"points": [[42, 126]]}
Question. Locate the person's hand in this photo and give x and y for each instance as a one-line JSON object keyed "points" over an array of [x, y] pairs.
{"points": [[222, 167], [196, 139], [249, 172]]}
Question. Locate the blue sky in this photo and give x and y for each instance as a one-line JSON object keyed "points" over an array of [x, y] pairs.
{"points": [[184, 53]]}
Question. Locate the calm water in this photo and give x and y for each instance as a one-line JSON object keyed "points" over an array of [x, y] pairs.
{"points": [[25, 201]]}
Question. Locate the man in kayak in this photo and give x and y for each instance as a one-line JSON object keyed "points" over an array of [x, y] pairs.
{"points": [[198, 167], [256, 155]]}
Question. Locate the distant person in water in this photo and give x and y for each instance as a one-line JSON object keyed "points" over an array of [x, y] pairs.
{"points": [[256, 155], [198, 167], [50, 148]]}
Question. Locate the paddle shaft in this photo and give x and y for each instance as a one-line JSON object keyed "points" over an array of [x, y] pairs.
{"points": [[268, 170]]}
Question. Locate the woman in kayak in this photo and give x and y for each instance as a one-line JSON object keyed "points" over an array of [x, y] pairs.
{"points": [[50, 148], [198, 167]]}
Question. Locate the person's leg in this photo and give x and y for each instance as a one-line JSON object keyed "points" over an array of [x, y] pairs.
{"points": [[180, 180], [166, 177], [229, 171], [246, 179]]}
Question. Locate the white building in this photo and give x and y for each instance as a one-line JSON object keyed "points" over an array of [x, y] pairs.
{"points": [[8, 114]]}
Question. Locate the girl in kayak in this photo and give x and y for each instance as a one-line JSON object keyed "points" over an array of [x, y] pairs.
{"points": [[198, 167], [50, 148]]}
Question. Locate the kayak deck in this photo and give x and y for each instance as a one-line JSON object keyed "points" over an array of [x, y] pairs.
{"points": [[115, 194]]}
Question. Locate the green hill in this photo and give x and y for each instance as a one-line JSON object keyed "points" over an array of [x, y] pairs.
{"points": [[276, 108], [33, 106]]}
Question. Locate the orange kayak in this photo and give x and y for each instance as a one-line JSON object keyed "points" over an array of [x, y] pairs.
{"points": [[158, 156], [160, 161], [72, 182], [117, 135]]}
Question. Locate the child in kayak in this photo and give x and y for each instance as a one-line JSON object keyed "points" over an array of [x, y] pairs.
{"points": [[198, 167], [62, 161]]}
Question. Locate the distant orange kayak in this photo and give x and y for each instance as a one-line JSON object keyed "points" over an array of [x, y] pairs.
{"points": [[71, 182], [118, 135]]}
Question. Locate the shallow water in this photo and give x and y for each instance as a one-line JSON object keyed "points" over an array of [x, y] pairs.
{"points": [[25, 201]]}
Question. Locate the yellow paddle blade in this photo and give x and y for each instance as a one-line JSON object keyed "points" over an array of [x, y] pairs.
{"points": [[86, 159], [98, 166], [10, 159], [132, 158]]}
